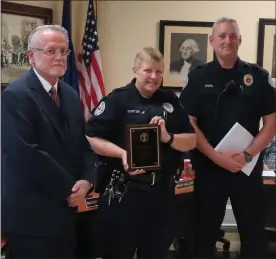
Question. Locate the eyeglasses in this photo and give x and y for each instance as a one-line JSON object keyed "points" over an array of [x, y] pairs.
{"points": [[53, 52]]}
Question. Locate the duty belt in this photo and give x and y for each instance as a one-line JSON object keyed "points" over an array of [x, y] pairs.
{"points": [[118, 185], [150, 178]]}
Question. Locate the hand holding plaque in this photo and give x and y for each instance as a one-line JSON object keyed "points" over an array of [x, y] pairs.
{"points": [[160, 121], [143, 147]]}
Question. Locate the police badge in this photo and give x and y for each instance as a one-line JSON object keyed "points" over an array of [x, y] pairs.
{"points": [[168, 107], [248, 80]]}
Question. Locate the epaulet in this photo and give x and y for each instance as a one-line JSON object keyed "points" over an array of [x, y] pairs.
{"points": [[199, 67], [168, 95], [120, 89], [255, 67]]}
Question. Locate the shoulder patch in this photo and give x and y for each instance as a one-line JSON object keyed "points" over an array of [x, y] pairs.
{"points": [[271, 81], [186, 80], [100, 109]]}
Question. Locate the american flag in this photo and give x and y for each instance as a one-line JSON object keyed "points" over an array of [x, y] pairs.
{"points": [[90, 65]]}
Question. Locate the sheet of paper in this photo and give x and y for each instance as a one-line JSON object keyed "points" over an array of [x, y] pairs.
{"points": [[269, 173], [237, 140]]}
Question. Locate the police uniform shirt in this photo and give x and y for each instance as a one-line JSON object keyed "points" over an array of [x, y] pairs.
{"points": [[125, 105], [220, 97]]}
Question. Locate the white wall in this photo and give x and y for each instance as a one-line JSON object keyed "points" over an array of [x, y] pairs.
{"points": [[127, 26]]}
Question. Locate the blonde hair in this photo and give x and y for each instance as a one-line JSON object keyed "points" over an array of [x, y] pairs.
{"points": [[147, 54]]}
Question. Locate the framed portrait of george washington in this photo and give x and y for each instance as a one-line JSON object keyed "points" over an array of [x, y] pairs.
{"points": [[184, 45]]}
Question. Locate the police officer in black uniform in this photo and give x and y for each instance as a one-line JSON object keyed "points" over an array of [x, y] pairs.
{"points": [[143, 218], [216, 96]]}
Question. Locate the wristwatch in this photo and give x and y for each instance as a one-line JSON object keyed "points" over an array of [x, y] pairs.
{"points": [[171, 139], [247, 156]]}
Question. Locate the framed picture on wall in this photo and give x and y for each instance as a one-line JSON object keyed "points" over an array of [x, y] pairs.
{"points": [[18, 20], [266, 54], [184, 45]]}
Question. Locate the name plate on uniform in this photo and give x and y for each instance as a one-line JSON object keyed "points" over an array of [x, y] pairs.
{"points": [[143, 147]]}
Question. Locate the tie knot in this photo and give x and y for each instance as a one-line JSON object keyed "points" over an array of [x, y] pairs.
{"points": [[54, 95], [53, 91]]}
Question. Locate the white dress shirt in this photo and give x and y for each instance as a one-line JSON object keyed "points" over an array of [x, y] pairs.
{"points": [[46, 85]]}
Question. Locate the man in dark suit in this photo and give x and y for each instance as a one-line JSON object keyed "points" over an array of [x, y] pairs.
{"points": [[47, 168]]}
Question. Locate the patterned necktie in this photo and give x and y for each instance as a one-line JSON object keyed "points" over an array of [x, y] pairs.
{"points": [[54, 95]]}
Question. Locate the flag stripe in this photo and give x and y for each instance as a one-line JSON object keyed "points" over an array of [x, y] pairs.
{"points": [[84, 84], [98, 69], [93, 85], [90, 66], [96, 78]]}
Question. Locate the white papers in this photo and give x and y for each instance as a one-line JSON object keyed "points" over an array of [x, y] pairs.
{"points": [[237, 140], [268, 174]]}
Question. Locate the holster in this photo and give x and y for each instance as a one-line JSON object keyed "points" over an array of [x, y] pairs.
{"points": [[104, 169], [180, 166], [102, 177]]}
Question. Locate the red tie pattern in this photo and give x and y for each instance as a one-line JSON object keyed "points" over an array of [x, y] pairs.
{"points": [[54, 95]]}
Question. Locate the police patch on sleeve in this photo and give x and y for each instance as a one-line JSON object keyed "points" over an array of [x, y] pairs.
{"points": [[100, 109], [185, 82], [168, 107], [271, 82]]}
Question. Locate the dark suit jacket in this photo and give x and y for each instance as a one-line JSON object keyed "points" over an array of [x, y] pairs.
{"points": [[44, 152], [178, 64]]}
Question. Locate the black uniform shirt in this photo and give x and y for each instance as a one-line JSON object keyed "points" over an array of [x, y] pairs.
{"points": [[125, 106], [220, 97]]}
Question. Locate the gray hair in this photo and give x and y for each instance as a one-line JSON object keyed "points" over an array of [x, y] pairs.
{"points": [[42, 28], [192, 43], [225, 19]]}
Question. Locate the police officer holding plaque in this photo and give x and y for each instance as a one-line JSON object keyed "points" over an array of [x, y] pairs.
{"points": [[140, 130]]}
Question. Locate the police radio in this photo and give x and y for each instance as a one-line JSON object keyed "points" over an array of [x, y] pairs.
{"points": [[228, 86]]}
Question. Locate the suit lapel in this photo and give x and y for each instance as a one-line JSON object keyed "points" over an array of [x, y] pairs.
{"points": [[47, 105], [66, 105]]}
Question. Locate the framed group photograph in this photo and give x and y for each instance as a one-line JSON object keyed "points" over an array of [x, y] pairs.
{"points": [[184, 45], [17, 21], [266, 54]]}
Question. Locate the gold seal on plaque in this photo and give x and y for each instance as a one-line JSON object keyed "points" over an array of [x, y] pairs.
{"points": [[144, 137]]}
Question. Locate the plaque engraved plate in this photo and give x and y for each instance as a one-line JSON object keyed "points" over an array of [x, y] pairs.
{"points": [[143, 147]]}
